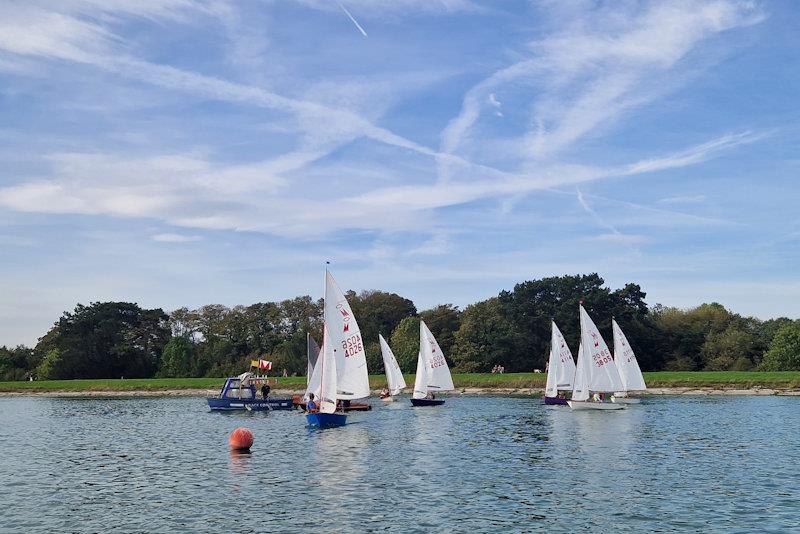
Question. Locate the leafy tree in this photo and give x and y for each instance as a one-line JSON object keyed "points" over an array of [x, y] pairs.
{"points": [[50, 366], [405, 344], [784, 352], [179, 359], [487, 337], [106, 340]]}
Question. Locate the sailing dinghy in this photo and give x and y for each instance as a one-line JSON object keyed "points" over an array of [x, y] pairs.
{"points": [[595, 372], [560, 368], [628, 367], [433, 375], [394, 376], [341, 370]]}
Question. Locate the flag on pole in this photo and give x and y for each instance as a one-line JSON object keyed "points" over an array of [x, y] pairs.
{"points": [[254, 363], [265, 364]]}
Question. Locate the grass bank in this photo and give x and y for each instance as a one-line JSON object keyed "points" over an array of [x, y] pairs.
{"points": [[716, 380]]}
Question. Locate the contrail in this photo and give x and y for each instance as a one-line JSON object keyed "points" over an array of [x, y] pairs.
{"points": [[354, 20]]}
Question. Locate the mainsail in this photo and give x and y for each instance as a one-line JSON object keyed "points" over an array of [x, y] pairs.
{"points": [[561, 366], [328, 387], [394, 376], [345, 341], [580, 388], [600, 371], [625, 360], [436, 370], [312, 352]]}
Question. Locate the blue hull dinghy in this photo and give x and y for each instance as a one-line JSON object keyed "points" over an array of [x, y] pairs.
{"points": [[555, 401], [326, 420], [239, 394], [426, 402]]}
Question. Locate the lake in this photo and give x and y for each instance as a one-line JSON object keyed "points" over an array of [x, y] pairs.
{"points": [[477, 464]]}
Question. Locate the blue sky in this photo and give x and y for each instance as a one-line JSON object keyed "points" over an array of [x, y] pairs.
{"points": [[184, 152]]}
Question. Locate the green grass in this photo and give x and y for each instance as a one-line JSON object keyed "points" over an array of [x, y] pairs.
{"points": [[722, 379]]}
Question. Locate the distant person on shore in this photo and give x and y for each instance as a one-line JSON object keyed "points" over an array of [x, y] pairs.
{"points": [[311, 406], [265, 391], [285, 372]]}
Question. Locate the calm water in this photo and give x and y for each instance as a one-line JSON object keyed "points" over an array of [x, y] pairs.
{"points": [[726, 464]]}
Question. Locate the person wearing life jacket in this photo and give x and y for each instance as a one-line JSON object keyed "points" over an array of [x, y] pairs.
{"points": [[311, 406]]}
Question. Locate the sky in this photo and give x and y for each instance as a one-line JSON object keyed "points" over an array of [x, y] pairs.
{"points": [[185, 152]]}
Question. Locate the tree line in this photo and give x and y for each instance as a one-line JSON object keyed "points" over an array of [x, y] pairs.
{"points": [[512, 329]]}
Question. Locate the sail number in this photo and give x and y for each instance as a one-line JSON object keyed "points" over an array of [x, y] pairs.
{"points": [[437, 360], [601, 358], [352, 345]]}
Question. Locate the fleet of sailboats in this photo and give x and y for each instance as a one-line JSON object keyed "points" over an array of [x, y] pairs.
{"points": [[337, 371]]}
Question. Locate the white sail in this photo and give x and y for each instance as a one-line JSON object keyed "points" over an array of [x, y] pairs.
{"points": [[346, 343], [394, 376], [601, 372], [625, 360], [561, 366], [328, 375], [312, 353], [439, 378], [421, 378], [580, 388], [314, 380]]}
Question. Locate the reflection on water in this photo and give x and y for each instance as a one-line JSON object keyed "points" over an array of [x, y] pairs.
{"points": [[475, 464]]}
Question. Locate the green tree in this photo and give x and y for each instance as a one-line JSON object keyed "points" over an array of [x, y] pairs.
{"points": [[179, 359], [107, 340], [405, 344], [488, 337], [50, 366], [784, 352]]}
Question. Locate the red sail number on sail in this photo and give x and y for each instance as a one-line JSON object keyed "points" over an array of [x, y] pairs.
{"points": [[352, 345]]}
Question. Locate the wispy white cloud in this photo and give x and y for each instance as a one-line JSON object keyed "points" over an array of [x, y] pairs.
{"points": [[175, 238], [687, 199]]}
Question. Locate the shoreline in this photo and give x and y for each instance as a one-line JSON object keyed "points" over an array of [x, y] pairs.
{"points": [[523, 392]]}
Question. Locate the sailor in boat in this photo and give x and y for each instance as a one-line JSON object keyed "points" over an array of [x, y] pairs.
{"points": [[430, 396], [385, 393], [265, 391], [311, 406]]}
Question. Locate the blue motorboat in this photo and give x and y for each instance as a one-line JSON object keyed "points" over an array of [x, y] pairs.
{"points": [[240, 393]]}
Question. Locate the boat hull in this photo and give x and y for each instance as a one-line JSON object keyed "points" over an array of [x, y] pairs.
{"points": [[250, 405], [326, 420], [387, 399], [426, 402], [626, 400], [555, 401], [354, 407], [585, 405]]}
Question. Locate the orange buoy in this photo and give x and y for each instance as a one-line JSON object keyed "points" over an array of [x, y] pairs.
{"points": [[241, 439]]}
